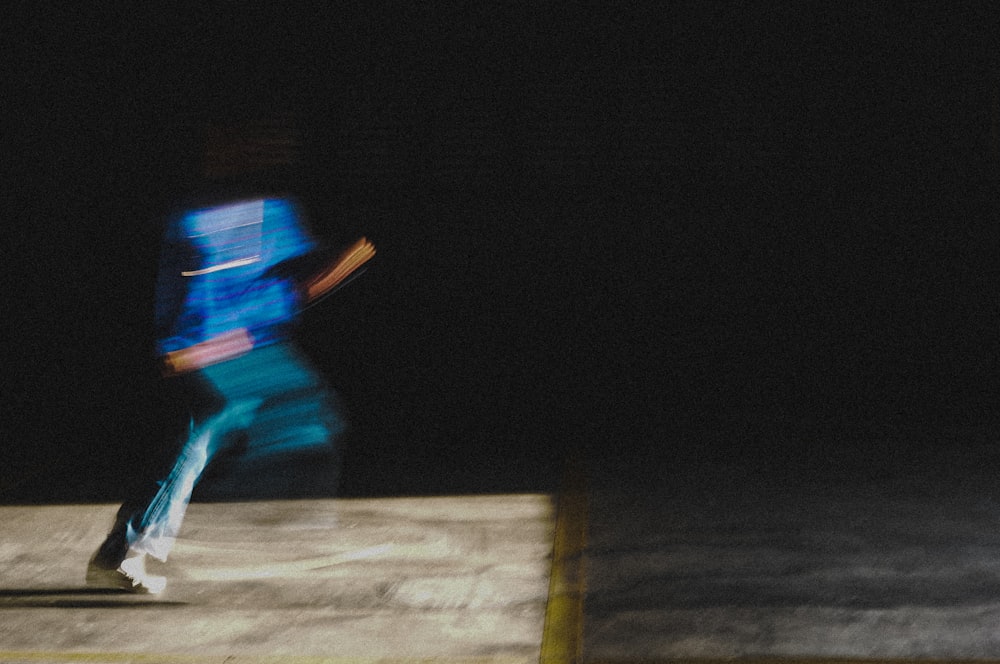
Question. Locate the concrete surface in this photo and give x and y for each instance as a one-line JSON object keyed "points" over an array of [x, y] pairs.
{"points": [[889, 551], [397, 579]]}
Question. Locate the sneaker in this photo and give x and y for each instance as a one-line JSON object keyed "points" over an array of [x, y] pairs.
{"points": [[129, 575]]}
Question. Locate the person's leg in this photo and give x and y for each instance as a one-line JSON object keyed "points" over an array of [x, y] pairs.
{"points": [[150, 525], [293, 444], [272, 393], [298, 411], [155, 531]]}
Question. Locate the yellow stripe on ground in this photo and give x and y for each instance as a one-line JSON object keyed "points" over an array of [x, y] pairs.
{"points": [[562, 634]]}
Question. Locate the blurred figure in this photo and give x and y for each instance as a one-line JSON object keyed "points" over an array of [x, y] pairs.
{"points": [[234, 272]]}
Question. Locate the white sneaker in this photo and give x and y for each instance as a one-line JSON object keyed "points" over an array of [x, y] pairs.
{"points": [[129, 575]]}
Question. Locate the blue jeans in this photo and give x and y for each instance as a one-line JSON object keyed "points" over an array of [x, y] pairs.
{"points": [[266, 404]]}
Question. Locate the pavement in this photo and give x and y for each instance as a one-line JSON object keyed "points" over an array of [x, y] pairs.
{"points": [[461, 579], [887, 552], [849, 560]]}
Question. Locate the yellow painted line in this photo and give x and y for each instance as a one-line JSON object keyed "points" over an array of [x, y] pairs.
{"points": [[562, 633]]}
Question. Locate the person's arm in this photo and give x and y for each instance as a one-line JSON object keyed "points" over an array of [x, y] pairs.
{"points": [[339, 270], [223, 347]]}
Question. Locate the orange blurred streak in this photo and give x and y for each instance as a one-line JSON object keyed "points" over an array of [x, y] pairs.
{"points": [[354, 257], [223, 347]]}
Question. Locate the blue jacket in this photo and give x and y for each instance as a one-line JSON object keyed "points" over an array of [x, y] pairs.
{"points": [[217, 272]]}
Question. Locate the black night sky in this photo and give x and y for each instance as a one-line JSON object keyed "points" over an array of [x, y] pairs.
{"points": [[646, 234]]}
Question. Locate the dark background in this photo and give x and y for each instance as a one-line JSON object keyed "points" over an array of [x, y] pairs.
{"points": [[679, 234]]}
